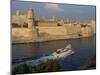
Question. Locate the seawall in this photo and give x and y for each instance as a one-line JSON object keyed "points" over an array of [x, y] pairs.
{"points": [[41, 34]]}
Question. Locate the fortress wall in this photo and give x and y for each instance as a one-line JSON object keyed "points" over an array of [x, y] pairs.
{"points": [[73, 29], [94, 29], [48, 33], [52, 30], [49, 24], [19, 19], [93, 23], [23, 33], [63, 30], [86, 31]]}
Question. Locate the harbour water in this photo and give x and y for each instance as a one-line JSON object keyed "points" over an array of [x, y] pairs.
{"points": [[85, 49]]}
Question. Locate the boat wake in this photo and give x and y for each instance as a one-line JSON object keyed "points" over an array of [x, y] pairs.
{"points": [[58, 54]]}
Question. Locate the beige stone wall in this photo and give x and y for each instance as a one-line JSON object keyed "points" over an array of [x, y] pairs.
{"points": [[61, 31], [23, 33], [71, 29], [86, 31], [48, 24], [93, 24], [52, 30], [49, 33], [19, 19]]}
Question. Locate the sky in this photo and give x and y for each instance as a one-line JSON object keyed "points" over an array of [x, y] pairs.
{"points": [[60, 11]]}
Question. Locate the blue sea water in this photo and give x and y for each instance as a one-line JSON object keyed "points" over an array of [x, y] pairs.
{"points": [[85, 49]]}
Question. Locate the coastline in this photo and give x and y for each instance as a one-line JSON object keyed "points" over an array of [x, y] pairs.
{"points": [[38, 40]]}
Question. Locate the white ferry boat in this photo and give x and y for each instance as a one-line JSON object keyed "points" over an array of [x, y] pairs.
{"points": [[60, 53]]}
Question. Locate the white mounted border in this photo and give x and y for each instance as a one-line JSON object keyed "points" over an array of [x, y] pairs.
{"points": [[5, 46]]}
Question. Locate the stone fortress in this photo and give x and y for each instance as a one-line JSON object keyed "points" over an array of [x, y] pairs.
{"points": [[28, 28]]}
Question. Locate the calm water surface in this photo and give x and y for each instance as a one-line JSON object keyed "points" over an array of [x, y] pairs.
{"points": [[84, 50]]}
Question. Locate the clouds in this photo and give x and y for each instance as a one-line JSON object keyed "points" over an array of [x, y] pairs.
{"points": [[64, 11], [53, 7]]}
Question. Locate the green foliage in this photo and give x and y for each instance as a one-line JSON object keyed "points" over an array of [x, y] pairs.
{"points": [[20, 69], [49, 66]]}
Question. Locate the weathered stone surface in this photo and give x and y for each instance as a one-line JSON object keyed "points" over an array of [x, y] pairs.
{"points": [[23, 34], [46, 30]]}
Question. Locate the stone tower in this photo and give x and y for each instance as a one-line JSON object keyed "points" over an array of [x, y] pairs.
{"points": [[30, 18], [53, 18], [31, 24], [17, 12]]}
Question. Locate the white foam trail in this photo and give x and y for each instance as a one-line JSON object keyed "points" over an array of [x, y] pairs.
{"points": [[44, 59]]}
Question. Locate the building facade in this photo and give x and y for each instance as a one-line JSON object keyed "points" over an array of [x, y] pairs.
{"points": [[51, 29]]}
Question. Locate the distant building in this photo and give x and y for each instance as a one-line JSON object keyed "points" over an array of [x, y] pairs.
{"points": [[30, 18], [47, 23], [31, 28]]}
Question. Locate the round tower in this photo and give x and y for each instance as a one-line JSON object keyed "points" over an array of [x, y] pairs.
{"points": [[30, 18]]}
